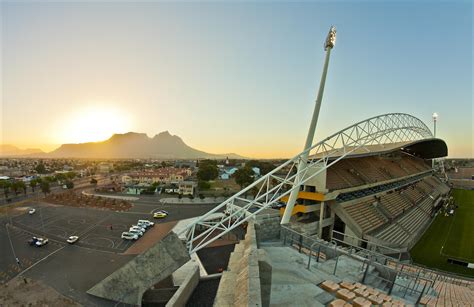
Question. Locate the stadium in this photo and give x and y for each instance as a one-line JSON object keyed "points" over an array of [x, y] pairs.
{"points": [[375, 222], [366, 216]]}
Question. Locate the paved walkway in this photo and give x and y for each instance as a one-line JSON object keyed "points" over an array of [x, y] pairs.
{"points": [[186, 200], [129, 198]]}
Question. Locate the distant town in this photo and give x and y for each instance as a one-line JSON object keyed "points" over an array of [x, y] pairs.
{"points": [[22, 178]]}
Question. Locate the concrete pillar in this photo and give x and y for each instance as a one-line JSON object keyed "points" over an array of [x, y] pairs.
{"points": [[321, 217]]}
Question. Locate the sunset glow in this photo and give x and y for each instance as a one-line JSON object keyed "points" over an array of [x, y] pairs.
{"points": [[94, 124]]}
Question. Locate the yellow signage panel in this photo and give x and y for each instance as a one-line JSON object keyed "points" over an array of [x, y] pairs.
{"points": [[306, 195]]}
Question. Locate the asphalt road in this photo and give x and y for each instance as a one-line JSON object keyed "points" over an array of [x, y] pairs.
{"points": [[73, 269]]}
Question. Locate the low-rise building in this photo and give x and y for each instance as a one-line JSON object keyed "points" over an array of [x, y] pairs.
{"points": [[187, 187], [166, 175], [105, 168]]}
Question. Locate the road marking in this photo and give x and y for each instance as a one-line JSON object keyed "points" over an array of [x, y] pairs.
{"points": [[27, 269], [94, 225], [89, 239]]}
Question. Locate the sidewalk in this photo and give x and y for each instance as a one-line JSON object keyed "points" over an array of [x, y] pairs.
{"points": [[187, 200]]}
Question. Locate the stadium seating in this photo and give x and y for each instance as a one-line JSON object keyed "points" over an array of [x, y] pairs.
{"points": [[394, 233], [395, 203], [349, 173], [365, 215], [408, 225], [413, 194], [462, 173]]}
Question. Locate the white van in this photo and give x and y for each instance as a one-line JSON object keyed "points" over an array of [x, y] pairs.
{"points": [[145, 223]]}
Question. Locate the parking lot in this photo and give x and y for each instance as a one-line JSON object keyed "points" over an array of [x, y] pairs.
{"points": [[73, 269], [96, 229]]}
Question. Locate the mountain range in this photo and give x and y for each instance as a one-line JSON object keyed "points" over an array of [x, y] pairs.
{"points": [[129, 145], [10, 150]]}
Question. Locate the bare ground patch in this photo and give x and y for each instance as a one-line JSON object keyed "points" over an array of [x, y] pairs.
{"points": [[33, 293]]}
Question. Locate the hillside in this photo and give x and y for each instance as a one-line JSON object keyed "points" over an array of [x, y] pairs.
{"points": [[13, 151], [136, 145]]}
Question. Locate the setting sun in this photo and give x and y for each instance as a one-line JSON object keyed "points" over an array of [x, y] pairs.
{"points": [[94, 124]]}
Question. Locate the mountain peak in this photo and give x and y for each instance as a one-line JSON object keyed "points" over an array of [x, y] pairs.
{"points": [[128, 135], [163, 134], [11, 150]]}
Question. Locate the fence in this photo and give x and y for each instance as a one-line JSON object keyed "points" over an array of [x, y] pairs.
{"points": [[406, 283]]}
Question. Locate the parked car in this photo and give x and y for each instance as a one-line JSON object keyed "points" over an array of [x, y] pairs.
{"points": [[32, 211], [145, 222], [139, 228], [136, 232], [32, 241], [143, 225], [41, 242], [129, 236], [72, 239]]}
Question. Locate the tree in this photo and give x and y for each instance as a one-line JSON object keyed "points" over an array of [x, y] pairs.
{"points": [[244, 176], [207, 170], [33, 184], [40, 169], [21, 186], [204, 185], [15, 187], [70, 175], [264, 166], [69, 184], [60, 177], [5, 184], [93, 181], [45, 188], [49, 178]]}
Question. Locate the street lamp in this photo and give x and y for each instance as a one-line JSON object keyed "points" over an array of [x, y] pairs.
{"points": [[435, 118]]}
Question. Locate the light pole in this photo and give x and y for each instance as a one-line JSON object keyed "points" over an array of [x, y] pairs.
{"points": [[435, 119], [328, 45]]}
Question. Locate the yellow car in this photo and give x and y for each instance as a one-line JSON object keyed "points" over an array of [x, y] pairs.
{"points": [[159, 215]]}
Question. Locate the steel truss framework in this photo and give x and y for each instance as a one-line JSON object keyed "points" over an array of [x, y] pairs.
{"points": [[378, 130]]}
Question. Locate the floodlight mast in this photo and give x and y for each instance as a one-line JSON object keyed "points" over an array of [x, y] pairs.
{"points": [[435, 119], [328, 45]]}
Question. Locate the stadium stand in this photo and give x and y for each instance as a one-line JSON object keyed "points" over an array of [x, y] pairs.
{"points": [[394, 203], [354, 172], [387, 197], [366, 215]]}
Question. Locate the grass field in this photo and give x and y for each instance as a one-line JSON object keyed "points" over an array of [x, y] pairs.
{"points": [[449, 237]]}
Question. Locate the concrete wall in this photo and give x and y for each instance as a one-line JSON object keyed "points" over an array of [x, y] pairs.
{"points": [[247, 281], [267, 226], [186, 288], [128, 283]]}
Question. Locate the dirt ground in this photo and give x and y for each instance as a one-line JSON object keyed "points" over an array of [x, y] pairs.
{"points": [[73, 199], [33, 293]]}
